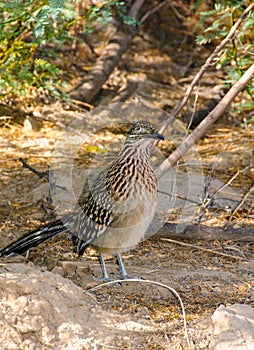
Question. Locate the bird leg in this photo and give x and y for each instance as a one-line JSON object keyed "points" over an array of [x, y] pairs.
{"points": [[123, 272], [105, 277]]}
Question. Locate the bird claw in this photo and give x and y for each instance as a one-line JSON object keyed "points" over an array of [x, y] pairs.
{"points": [[102, 279], [108, 279], [129, 277]]}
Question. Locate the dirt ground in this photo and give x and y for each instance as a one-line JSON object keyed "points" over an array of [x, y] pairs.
{"points": [[221, 274], [204, 279]]}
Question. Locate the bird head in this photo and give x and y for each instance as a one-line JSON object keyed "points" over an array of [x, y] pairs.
{"points": [[143, 130]]}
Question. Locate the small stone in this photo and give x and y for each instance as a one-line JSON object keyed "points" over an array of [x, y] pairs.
{"points": [[58, 270]]}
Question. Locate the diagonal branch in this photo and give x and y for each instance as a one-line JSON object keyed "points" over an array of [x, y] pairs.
{"points": [[208, 63], [207, 122]]}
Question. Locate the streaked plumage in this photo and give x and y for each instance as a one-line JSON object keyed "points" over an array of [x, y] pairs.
{"points": [[115, 212]]}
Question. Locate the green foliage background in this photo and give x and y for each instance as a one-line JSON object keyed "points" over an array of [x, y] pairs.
{"points": [[32, 31], [25, 26], [238, 55]]}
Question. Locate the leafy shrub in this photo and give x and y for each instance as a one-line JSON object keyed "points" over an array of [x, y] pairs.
{"points": [[238, 55], [27, 26]]}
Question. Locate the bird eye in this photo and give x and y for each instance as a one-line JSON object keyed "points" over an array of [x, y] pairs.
{"points": [[138, 129]]}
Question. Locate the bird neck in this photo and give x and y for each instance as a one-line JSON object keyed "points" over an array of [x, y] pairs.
{"points": [[139, 149]]}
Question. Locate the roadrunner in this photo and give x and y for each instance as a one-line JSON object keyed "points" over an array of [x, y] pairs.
{"points": [[114, 214]]}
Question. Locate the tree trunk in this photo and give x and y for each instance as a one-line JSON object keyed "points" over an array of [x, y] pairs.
{"points": [[110, 58]]}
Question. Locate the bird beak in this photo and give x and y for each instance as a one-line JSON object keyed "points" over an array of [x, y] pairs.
{"points": [[157, 136]]}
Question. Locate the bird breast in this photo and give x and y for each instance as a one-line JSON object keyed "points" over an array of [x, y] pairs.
{"points": [[133, 194]]}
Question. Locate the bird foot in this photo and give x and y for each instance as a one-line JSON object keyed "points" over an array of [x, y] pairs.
{"points": [[128, 277], [108, 279], [102, 279]]}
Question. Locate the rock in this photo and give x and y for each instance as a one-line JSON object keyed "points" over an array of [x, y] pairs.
{"points": [[233, 328], [58, 270], [42, 310]]}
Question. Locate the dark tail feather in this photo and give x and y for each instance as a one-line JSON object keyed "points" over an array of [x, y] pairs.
{"points": [[79, 246], [34, 238]]}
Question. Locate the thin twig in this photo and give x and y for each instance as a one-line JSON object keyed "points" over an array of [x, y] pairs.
{"points": [[85, 104], [172, 290], [238, 206], [153, 10], [173, 195], [194, 108], [40, 174], [225, 185], [215, 114], [209, 62], [203, 249], [211, 178]]}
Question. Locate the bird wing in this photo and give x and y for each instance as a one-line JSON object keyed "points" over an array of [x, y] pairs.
{"points": [[113, 199], [94, 212]]}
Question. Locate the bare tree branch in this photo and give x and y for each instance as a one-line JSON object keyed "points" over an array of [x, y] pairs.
{"points": [[40, 174], [135, 8], [155, 9], [208, 63], [203, 232], [207, 122]]}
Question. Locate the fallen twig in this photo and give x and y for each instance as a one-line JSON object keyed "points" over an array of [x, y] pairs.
{"points": [[205, 233], [40, 174], [172, 290], [194, 246]]}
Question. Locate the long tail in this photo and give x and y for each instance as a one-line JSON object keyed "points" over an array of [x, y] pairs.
{"points": [[34, 238]]}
